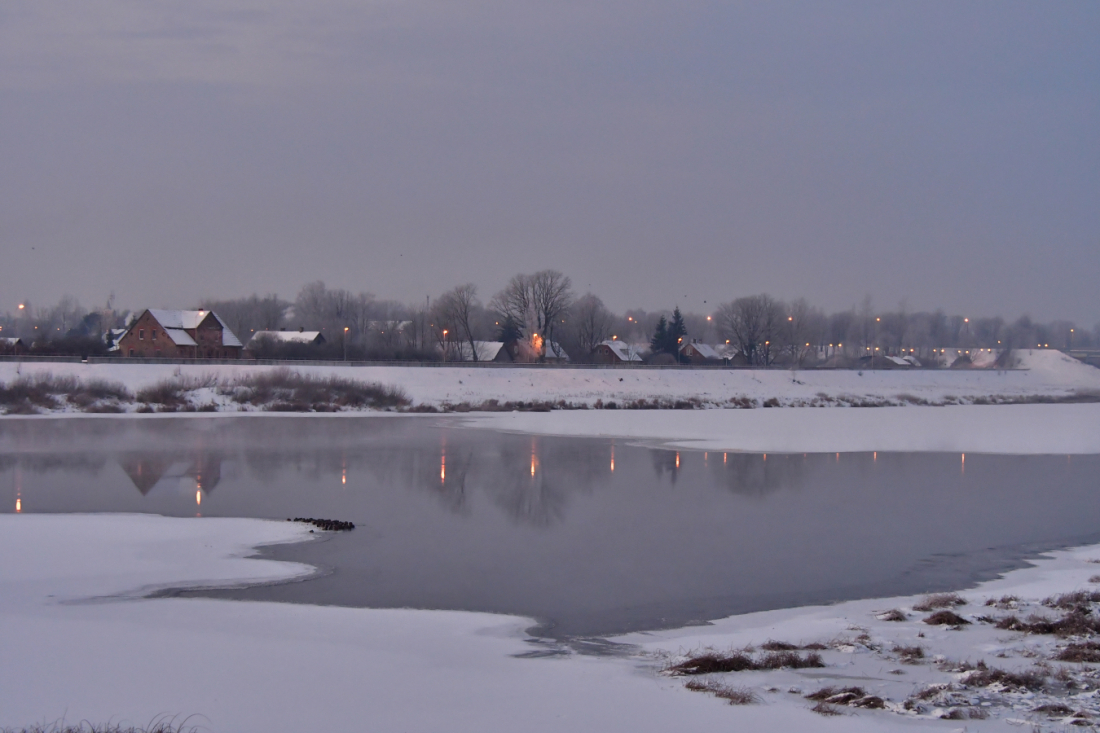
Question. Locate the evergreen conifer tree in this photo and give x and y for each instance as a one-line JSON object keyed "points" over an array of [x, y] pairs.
{"points": [[659, 342], [676, 331]]}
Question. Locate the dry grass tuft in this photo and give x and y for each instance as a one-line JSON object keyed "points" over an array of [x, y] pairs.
{"points": [[945, 618], [940, 600], [1004, 602], [1032, 679], [712, 662], [1080, 600], [734, 695], [824, 708], [1083, 652], [893, 614], [909, 654], [1074, 623]]}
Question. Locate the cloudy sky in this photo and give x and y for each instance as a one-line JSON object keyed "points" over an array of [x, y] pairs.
{"points": [[936, 153]]}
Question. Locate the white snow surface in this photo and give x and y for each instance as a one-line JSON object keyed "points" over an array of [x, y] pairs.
{"points": [[1015, 429], [1042, 374], [273, 667]]}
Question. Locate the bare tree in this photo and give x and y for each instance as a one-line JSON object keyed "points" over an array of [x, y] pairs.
{"points": [[456, 311], [588, 324], [753, 323], [538, 302]]}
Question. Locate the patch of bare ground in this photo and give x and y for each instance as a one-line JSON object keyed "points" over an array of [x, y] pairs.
{"points": [[734, 695]]}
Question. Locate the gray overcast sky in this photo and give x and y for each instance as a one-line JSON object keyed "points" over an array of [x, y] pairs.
{"points": [[941, 153]]}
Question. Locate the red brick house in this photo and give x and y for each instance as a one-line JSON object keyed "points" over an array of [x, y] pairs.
{"points": [[167, 334]]}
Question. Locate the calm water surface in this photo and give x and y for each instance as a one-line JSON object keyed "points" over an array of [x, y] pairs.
{"points": [[590, 536]]}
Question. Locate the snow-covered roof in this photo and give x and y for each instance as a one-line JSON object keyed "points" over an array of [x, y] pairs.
{"points": [[10, 341], [286, 337], [179, 337], [486, 350], [179, 319], [621, 349], [553, 350], [899, 361], [705, 350]]}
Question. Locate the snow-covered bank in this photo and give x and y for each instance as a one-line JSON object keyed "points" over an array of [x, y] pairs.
{"points": [[1042, 375], [271, 667], [1015, 429]]}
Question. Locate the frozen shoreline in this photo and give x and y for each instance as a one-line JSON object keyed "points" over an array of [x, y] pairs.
{"points": [[272, 667], [1043, 376]]}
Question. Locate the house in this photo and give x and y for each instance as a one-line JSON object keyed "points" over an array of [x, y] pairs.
{"points": [[486, 351], [524, 351], [179, 334], [301, 336], [696, 352], [12, 346], [614, 351]]}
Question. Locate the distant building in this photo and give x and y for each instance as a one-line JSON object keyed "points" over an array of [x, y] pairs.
{"points": [[301, 336], [614, 351], [486, 351], [696, 352], [179, 334], [12, 346]]}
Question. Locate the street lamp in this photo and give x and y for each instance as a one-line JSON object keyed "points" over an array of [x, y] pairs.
{"points": [[345, 343], [444, 345]]}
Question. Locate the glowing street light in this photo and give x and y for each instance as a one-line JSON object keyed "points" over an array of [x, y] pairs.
{"points": [[345, 343], [22, 306]]}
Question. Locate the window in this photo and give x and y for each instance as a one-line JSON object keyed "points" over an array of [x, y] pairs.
{"points": [[131, 352], [141, 334], [154, 334], [158, 350]]}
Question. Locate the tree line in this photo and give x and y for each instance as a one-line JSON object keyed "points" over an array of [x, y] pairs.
{"points": [[541, 316]]}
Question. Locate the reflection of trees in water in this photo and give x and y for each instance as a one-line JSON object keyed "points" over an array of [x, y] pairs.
{"points": [[532, 479], [147, 469], [47, 462], [753, 475], [665, 462]]}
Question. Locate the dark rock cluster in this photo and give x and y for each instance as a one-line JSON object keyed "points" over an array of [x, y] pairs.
{"points": [[332, 525]]}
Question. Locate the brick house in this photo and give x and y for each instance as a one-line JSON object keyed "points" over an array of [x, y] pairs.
{"points": [[169, 334]]}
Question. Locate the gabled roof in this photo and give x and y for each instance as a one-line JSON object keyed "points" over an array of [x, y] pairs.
{"points": [[286, 337], [179, 337], [705, 350], [11, 341], [188, 320], [486, 350], [621, 349]]}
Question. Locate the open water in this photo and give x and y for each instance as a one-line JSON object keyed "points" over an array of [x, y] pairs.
{"points": [[591, 537]]}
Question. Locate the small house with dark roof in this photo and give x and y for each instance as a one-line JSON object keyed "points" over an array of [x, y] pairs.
{"points": [[12, 346], [179, 334]]}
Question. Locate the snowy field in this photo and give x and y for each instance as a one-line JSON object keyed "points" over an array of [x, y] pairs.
{"points": [[1042, 375], [80, 644]]}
